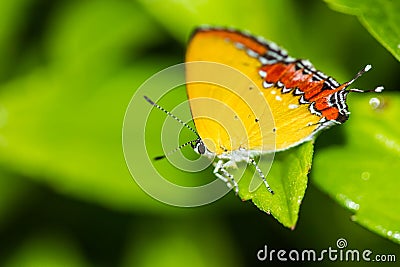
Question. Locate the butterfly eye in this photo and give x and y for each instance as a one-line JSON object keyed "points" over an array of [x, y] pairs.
{"points": [[199, 147], [202, 148]]}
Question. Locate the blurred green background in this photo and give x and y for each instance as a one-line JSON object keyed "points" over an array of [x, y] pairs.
{"points": [[68, 69]]}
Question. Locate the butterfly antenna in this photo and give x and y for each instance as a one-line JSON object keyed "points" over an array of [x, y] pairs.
{"points": [[170, 114], [378, 89], [173, 151]]}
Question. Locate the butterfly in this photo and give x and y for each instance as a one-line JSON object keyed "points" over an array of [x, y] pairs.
{"points": [[248, 97]]}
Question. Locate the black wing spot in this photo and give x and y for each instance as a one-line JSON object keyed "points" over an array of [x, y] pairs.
{"points": [[342, 118]]}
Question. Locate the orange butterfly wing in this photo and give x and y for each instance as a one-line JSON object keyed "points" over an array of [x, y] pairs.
{"points": [[258, 107]]}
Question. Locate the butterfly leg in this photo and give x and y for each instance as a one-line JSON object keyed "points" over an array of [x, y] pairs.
{"points": [[225, 175], [232, 182], [252, 161]]}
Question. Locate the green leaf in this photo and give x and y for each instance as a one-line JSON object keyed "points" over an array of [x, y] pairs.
{"points": [[81, 45], [362, 172], [61, 124], [181, 17], [68, 140], [288, 180], [381, 18], [11, 17]]}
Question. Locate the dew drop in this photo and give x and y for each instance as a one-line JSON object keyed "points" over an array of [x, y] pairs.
{"points": [[374, 102], [365, 176]]}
